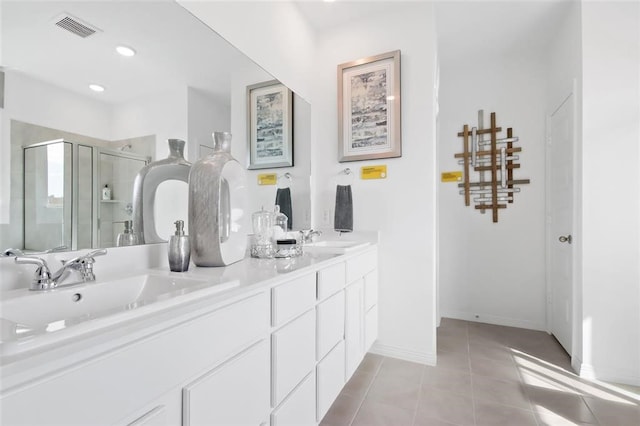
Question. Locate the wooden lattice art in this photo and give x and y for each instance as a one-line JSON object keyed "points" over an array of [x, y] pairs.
{"points": [[493, 157]]}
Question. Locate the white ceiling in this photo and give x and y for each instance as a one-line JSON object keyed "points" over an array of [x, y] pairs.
{"points": [[175, 50], [464, 28]]}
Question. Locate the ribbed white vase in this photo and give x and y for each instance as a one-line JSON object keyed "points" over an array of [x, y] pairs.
{"points": [[217, 205]]}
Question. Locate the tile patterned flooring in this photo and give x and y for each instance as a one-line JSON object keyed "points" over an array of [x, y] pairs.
{"points": [[486, 375]]}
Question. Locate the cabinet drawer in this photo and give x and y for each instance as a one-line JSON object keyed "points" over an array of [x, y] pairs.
{"points": [[294, 355], [359, 266], [370, 289], [299, 408], [330, 280], [237, 392], [370, 328], [329, 323], [330, 379], [292, 298]]}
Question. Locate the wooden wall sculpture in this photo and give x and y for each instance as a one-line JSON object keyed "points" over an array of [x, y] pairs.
{"points": [[492, 162]]}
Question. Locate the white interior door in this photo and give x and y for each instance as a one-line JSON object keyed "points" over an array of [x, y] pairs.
{"points": [[560, 222]]}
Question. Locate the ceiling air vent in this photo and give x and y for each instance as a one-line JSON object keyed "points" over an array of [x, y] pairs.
{"points": [[75, 25]]}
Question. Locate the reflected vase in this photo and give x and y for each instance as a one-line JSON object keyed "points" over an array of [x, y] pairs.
{"points": [[217, 205], [145, 186]]}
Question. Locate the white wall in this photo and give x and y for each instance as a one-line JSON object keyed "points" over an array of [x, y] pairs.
{"points": [[494, 272], [401, 207], [273, 34], [611, 188], [205, 115]]}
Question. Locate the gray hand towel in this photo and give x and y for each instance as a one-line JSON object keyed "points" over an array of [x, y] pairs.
{"points": [[283, 199], [343, 217]]}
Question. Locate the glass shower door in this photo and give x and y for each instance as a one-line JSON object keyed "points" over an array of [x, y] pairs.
{"points": [[48, 200]]}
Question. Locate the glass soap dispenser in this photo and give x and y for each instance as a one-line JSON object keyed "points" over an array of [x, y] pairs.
{"points": [[280, 221], [179, 249], [127, 237]]}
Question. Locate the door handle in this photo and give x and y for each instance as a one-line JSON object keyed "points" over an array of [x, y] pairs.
{"points": [[564, 239]]}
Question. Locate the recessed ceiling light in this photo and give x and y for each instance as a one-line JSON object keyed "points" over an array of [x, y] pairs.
{"points": [[96, 88], [125, 51]]}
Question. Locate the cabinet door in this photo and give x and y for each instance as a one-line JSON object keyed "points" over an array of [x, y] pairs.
{"points": [[354, 326], [330, 323], [370, 290], [236, 393], [330, 378], [299, 408], [370, 328], [294, 354]]}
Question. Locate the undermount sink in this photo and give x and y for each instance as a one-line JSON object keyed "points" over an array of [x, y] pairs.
{"points": [[335, 246], [29, 317]]}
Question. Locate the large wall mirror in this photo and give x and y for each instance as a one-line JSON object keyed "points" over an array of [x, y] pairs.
{"points": [[68, 144]]}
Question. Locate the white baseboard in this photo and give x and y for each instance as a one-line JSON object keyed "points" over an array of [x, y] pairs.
{"points": [[490, 319], [404, 354], [612, 375]]}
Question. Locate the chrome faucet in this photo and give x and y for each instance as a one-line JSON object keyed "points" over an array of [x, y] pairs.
{"points": [[308, 235], [45, 280]]}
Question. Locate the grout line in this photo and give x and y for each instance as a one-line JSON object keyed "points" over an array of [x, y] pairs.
{"points": [[415, 409], [364, 396]]}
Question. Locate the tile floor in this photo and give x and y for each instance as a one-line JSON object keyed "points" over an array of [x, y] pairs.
{"points": [[486, 375]]}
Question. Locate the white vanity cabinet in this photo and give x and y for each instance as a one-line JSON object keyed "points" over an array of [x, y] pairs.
{"points": [[276, 354]]}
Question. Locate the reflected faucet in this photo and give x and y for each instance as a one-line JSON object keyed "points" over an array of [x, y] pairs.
{"points": [[308, 235], [11, 252], [45, 280]]}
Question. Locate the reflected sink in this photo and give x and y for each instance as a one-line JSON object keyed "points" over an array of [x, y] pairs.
{"points": [[29, 315], [335, 246]]}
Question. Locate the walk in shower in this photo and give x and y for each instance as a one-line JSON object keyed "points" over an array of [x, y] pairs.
{"points": [[64, 204]]}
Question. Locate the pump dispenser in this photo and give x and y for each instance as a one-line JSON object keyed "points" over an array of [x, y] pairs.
{"points": [[127, 237], [179, 249]]}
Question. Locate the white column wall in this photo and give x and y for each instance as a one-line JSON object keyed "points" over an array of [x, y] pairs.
{"points": [[402, 206], [611, 189]]}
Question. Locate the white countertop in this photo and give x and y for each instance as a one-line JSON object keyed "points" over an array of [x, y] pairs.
{"points": [[250, 276]]}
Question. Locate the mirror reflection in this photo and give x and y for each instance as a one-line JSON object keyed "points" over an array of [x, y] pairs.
{"points": [[74, 153]]}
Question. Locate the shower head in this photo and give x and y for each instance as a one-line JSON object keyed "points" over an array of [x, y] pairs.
{"points": [[124, 147]]}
